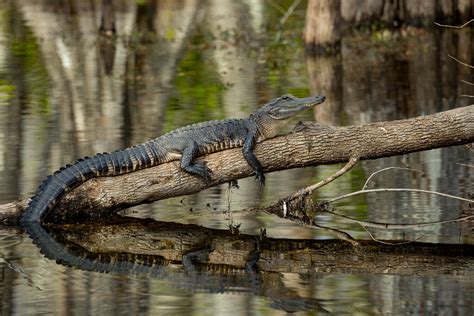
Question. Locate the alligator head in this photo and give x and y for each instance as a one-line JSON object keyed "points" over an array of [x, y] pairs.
{"points": [[273, 116]]}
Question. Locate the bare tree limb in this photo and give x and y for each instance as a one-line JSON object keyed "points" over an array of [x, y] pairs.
{"points": [[344, 236], [289, 11], [385, 169], [308, 190], [454, 26], [467, 82], [462, 63], [397, 190]]}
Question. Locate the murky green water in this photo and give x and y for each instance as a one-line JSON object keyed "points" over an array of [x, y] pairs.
{"points": [[67, 93]]}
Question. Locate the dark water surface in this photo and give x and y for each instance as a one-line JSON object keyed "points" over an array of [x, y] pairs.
{"points": [[65, 92]]}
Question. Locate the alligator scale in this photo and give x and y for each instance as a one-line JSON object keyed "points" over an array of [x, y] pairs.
{"points": [[183, 144]]}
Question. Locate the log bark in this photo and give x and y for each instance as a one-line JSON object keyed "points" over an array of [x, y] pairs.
{"points": [[309, 145]]}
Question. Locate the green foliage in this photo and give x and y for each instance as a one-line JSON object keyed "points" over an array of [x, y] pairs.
{"points": [[26, 59], [7, 91], [197, 93]]}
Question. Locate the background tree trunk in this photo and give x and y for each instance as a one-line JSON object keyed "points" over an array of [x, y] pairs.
{"points": [[322, 22], [326, 20]]}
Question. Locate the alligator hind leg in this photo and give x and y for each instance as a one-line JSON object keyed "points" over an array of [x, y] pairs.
{"points": [[199, 169], [191, 259]]}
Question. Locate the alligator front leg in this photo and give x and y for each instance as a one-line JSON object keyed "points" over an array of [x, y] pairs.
{"points": [[247, 150], [199, 169]]}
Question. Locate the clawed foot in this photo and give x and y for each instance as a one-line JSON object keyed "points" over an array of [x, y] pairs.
{"points": [[192, 258], [202, 170], [260, 177], [233, 184]]}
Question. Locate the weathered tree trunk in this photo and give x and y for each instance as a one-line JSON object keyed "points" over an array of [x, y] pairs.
{"points": [[107, 19], [322, 23], [310, 145]]}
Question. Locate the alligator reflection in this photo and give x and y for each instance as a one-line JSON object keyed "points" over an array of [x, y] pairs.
{"points": [[183, 251], [201, 259]]}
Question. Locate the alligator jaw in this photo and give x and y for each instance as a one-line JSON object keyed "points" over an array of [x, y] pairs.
{"points": [[304, 103], [288, 105]]}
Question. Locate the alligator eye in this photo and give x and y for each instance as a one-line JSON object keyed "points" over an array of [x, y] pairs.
{"points": [[287, 97]]}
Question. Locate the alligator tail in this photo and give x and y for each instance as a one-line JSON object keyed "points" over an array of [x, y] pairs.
{"points": [[75, 256], [65, 179]]}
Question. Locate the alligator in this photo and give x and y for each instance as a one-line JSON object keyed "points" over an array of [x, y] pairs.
{"points": [[184, 144]]}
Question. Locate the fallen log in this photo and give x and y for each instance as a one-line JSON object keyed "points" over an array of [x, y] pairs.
{"points": [[309, 145]]}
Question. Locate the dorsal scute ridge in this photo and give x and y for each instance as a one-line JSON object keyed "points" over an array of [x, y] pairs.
{"points": [[199, 125]]}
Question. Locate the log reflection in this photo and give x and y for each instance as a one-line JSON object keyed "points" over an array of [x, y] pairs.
{"points": [[128, 245], [161, 250]]}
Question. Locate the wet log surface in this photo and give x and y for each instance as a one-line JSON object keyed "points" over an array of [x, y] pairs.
{"points": [[309, 145], [142, 240]]}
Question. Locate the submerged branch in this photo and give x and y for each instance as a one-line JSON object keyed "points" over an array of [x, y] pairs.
{"points": [[342, 235], [398, 226], [311, 145]]}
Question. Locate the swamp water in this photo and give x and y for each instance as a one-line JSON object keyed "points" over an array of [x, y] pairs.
{"points": [[65, 92]]}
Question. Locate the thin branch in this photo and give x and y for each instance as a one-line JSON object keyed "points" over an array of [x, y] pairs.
{"points": [[398, 190], [286, 15], [339, 233], [453, 26], [19, 271], [385, 169], [467, 95], [276, 6], [311, 223], [465, 165], [467, 82], [462, 63], [398, 226], [10, 241], [308, 190], [389, 243], [289, 11]]}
